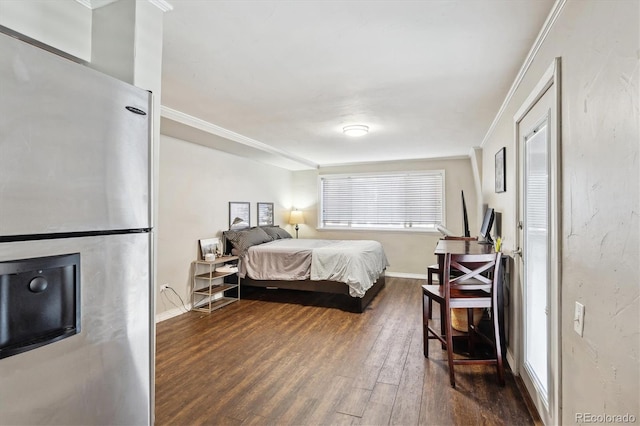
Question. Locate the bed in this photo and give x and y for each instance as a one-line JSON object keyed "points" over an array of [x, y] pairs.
{"points": [[353, 269]]}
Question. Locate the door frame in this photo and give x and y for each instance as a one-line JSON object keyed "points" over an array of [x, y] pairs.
{"points": [[550, 80]]}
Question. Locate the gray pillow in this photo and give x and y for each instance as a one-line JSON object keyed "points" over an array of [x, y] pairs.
{"points": [[276, 232], [245, 238]]}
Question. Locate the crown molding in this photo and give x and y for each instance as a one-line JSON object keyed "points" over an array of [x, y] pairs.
{"points": [[391, 162], [163, 5], [542, 35], [214, 129]]}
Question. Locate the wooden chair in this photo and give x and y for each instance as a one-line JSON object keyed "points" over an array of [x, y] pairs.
{"points": [[434, 270], [470, 281]]}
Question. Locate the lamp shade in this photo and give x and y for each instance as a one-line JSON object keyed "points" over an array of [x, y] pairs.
{"points": [[296, 217]]}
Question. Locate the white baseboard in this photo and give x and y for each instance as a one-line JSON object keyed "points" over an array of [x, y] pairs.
{"points": [[163, 316], [406, 275], [512, 363]]}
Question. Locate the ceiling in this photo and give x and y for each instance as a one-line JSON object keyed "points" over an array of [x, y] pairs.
{"points": [[280, 79]]}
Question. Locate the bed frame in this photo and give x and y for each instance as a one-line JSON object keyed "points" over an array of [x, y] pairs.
{"points": [[354, 304]]}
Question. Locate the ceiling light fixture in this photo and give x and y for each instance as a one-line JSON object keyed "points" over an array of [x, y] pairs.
{"points": [[355, 130]]}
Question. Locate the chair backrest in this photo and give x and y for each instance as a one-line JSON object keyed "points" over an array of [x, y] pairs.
{"points": [[472, 271]]}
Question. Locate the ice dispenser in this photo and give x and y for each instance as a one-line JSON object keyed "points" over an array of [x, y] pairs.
{"points": [[39, 302]]}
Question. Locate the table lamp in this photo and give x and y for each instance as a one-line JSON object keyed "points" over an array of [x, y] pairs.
{"points": [[296, 218]]}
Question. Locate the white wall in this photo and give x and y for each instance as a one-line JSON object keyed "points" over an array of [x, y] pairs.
{"points": [[65, 25], [408, 252], [598, 42], [196, 185]]}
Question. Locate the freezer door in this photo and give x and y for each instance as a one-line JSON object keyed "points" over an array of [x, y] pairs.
{"points": [[73, 158], [101, 375]]}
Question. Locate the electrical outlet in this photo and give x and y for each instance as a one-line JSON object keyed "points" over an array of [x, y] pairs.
{"points": [[163, 287], [578, 319]]}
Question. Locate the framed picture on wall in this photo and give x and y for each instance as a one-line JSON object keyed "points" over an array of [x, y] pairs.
{"points": [[265, 214], [501, 163], [239, 214]]}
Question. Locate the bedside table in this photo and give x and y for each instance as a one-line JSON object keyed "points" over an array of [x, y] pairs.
{"points": [[209, 289]]}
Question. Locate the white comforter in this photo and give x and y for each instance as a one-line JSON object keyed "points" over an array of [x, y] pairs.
{"points": [[358, 263]]}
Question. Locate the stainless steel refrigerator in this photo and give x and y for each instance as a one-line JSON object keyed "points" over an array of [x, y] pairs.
{"points": [[76, 307]]}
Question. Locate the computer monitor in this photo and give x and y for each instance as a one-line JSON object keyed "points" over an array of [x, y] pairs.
{"points": [[487, 223]]}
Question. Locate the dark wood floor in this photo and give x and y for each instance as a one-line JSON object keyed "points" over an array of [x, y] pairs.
{"points": [[265, 362]]}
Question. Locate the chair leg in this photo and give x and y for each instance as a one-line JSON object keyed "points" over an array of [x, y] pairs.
{"points": [[430, 273], [496, 333], [443, 324], [449, 335], [426, 315]]}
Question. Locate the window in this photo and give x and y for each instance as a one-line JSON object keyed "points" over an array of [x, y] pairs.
{"points": [[410, 200]]}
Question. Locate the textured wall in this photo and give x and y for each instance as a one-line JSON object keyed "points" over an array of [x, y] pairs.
{"points": [[598, 42]]}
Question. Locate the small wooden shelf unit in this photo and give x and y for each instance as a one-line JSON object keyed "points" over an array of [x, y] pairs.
{"points": [[209, 286]]}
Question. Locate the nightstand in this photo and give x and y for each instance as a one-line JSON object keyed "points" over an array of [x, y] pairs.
{"points": [[209, 286]]}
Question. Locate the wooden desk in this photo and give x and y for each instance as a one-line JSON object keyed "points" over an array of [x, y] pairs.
{"points": [[474, 247]]}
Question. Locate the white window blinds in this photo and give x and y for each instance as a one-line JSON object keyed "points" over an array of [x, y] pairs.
{"points": [[382, 201]]}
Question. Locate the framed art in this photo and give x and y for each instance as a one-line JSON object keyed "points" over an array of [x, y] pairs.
{"points": [[239, 215], [501, 163], [208, 246], [265, 214]]}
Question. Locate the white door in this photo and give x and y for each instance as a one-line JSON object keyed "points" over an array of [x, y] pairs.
{"points": [[537, 130]]}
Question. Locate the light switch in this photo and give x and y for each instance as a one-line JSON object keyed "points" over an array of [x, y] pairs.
{"points": [[578, 319]]}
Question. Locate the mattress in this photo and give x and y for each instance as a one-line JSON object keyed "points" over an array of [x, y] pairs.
{"points": [[357, 263]]}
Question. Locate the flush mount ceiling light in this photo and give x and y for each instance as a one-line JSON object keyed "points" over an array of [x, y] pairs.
{"points": [[355, 130]]}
